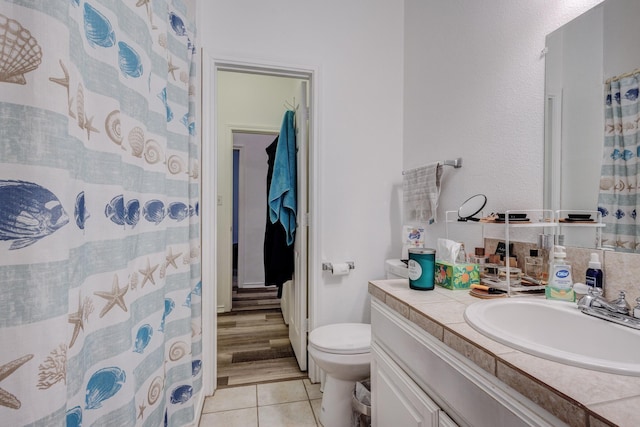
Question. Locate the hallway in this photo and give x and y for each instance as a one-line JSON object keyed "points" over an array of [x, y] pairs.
{"points": [[254, 347]]}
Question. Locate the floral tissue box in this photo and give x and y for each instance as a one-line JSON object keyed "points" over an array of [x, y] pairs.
{"points": [[456, 276]]}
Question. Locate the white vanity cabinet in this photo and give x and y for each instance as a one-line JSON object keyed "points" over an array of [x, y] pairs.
{"points": [[417, 380], [398, 401]]}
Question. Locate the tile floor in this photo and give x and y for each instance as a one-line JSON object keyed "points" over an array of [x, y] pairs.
{"points": [[287, 403]]}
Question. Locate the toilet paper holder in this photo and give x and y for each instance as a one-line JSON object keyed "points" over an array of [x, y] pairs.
{"points": [[327, 266]]}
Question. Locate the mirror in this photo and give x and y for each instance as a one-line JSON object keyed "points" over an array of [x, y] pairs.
{"points": [[580, 56], [471, 207]]}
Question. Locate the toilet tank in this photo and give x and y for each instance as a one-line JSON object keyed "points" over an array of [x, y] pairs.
{"points": [[396, 269]]}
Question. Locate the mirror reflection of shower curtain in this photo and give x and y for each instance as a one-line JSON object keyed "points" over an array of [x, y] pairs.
{"points": [[618, 200], [100, 291]]}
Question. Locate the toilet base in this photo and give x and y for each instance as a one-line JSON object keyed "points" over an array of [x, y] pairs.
{"points": [[336, 402]]}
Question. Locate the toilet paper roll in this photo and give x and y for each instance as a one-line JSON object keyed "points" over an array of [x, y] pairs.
{"points": [[340, 269]]}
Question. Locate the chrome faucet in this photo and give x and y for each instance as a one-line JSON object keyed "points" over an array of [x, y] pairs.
{"points": [[617, 311], [594, 298]]}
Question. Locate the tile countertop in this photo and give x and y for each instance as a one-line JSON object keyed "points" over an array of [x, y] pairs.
{"points": [[580, 397]]}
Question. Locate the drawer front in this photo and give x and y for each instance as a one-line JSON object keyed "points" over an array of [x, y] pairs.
{"points": [[397, 400]]}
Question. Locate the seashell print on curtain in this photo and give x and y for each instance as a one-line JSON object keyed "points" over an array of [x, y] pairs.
{"points": [[619, 197], [100, 291]]}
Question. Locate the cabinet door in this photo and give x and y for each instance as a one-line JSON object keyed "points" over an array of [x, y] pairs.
{"points": [[395, 399]]}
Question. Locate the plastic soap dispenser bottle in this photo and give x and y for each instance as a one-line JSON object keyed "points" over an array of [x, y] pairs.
{"points": [[594, 276], [560, 280]]}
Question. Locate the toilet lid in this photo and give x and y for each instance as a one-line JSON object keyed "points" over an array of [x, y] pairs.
{"points": [[342, 338]]}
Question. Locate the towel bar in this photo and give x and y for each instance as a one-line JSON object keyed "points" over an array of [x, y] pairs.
{"points": [[456, 163]]}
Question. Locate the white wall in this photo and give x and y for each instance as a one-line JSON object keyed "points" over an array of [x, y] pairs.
{"points": [[356, 47], [247, 102], [474, 87]]}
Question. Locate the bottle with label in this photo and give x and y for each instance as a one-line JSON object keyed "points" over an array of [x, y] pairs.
{"points": [[560, 286], [462, 255], [595, 276], [545, 247], [533, 265]]}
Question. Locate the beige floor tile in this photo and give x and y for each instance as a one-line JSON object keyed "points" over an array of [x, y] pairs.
{"points": [[226, 399], [281, 392], [237, 418], [295, 414], [313, 390], [316, 406]]}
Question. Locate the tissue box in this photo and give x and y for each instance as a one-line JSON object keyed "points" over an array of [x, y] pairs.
{"points": [[456, 276]]}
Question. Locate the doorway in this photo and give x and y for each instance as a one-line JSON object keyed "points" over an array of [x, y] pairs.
{"points": [[250, 169], [218, 131]]}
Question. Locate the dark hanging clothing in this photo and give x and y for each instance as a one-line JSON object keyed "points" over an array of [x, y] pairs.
{"points": [[278, 256]]}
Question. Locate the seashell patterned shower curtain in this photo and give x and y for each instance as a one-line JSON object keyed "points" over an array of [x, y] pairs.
{"points": [[99, 216], [619, 197]]}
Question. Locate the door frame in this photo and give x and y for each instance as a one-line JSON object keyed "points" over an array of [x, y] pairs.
{"points": [[210, 66], [240, 213]]}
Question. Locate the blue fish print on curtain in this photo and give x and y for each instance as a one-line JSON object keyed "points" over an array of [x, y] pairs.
{"points": [[196, 365], [154, 211], [28, 213], [132, 214], [143, 337], [163, 97], [198, 289], [97, 28], [104, 384], [74, 417], [181, 394], [178, 211], [177, 24], [91, 138], [631, 94], [115, 210], [129, 60], [169, 305], [81, 214]]}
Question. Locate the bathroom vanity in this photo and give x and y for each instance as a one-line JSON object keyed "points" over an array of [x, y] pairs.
{"points": [[430, 368]]}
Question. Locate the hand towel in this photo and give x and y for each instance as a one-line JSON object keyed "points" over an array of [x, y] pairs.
{"points": [[421, 190], [282, 193]]}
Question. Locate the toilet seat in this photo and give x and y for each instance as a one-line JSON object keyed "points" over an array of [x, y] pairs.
{"points": [[342, 338]]}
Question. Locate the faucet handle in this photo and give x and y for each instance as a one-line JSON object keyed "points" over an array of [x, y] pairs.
{"points": [[621, 302], [594, 291]]}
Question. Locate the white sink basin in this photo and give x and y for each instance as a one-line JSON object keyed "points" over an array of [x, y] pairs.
{"points": [[558, 331]]}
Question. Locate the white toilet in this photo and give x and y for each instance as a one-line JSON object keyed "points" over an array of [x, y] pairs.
{"points": [[343, 352]]}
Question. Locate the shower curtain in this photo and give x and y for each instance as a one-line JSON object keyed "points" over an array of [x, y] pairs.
{"points": [[618, 200], [99, 215]]}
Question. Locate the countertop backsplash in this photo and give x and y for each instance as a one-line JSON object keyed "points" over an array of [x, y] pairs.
{"points": [[621, 270]]}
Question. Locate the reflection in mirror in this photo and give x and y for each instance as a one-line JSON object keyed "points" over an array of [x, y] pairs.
{"points": [[471, 207], [580, 56]]}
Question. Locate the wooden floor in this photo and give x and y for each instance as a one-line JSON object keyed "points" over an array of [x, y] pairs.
{"points": [[253, 342], [246, 299], [253, 348]]}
